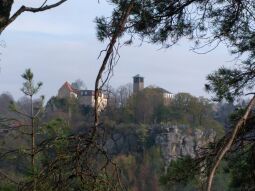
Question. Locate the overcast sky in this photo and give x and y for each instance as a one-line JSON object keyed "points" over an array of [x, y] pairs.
{"points": [[60, 45]]}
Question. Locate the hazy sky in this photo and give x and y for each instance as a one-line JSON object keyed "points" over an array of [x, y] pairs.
{"points": [[60, 45]]}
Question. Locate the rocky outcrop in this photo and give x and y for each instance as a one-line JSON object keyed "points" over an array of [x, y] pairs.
{"points": [[176, 141]]}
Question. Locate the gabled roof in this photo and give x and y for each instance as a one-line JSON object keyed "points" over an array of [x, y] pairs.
{"points": [[69, 87], [162, 90]]}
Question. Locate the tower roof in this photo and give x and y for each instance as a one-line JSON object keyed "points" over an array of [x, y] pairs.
{"points": [[138, 76]]}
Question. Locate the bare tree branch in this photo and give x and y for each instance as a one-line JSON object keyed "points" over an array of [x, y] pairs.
{"points": [[6, 22]]}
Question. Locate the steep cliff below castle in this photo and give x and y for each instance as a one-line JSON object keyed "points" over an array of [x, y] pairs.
{"points": [[173, 140], [177, 141]]}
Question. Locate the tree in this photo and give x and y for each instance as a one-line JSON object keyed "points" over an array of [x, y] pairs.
{"points": [[6, 6], [5, 100], [25, 123], [30, 89], [145, 104], [178, 177], [166, 22], [210, 21], [123, 93], [80, 164]]}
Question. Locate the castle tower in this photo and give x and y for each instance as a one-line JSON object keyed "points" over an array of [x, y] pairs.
{"points": [[138, 83]]}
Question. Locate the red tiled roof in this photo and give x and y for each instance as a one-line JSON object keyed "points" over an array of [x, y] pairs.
{"points": [[69, 87]]}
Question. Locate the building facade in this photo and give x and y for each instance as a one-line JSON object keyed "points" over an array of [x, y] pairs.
{"points": [[85, 97], [167, 96]]}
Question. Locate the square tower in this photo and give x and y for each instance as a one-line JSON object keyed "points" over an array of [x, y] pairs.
{"points": [[138, 83]]}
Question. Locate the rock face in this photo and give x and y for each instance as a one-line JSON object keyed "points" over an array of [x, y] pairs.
{"points": [[176, 141]]}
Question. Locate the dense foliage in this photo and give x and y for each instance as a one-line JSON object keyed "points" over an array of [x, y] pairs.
{"points": [[160, 21], [127, 120], [207, 23], [148, 107]]}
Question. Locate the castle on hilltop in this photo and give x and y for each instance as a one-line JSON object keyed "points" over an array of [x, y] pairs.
{"points": [[85, 97]]}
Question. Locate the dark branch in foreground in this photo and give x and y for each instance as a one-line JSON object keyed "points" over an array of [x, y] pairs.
{"points": [[5, 5], [227, 146]]}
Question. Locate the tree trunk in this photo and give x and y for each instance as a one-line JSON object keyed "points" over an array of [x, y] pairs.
{"points": [[33, 144], [5, 10], [225, 148]]}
